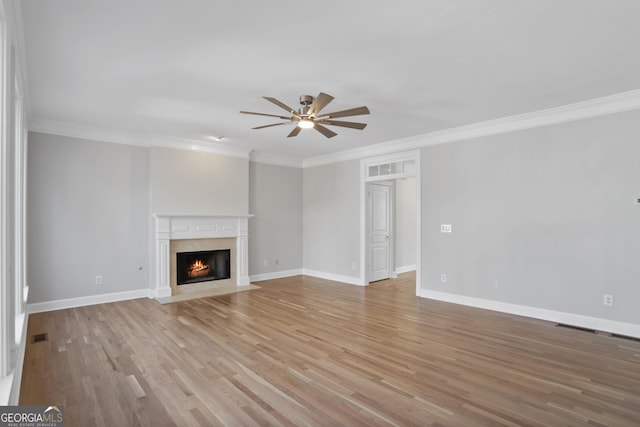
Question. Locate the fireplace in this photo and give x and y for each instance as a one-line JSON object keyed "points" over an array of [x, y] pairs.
{"points": [[177, 233], [203, 266], [200, 264]]}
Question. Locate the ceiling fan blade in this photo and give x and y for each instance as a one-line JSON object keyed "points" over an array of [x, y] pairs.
{"points": [[282, 105], [264, 114], [319, 103], [358, 111], [268, 126], [325, 131], [296, 130], [352, 125]]}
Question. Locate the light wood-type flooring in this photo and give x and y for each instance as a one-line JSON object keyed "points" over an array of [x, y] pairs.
{"points": [[305, 351]]}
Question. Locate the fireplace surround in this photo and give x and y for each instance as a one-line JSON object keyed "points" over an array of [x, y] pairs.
{"points": [[178, 232]]}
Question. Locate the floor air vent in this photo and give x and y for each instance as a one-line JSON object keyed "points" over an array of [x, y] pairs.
{"points": [[39, 338], [593, 331], [563, 325], [625, 337]]}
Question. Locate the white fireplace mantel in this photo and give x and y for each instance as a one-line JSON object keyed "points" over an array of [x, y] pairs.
{"points": [[180, 226]]}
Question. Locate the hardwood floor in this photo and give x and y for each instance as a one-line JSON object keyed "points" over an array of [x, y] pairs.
{"points": [[305, 351]]}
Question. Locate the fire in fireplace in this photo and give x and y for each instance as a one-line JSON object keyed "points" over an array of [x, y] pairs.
{"points": [[203, 266]]}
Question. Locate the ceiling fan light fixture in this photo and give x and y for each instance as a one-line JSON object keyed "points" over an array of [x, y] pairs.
{"points": [[308, 116], [306, 124]]}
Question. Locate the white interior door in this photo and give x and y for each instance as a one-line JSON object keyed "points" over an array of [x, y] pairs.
{"points": [[379, 231]]}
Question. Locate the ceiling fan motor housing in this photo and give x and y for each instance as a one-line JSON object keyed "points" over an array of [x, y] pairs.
{"points": [[305, 101]]}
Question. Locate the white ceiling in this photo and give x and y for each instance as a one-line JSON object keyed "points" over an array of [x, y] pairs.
{"points": [[185, 68]]}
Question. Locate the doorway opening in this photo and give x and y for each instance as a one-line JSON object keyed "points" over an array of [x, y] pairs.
{"points": [[390, 216]]}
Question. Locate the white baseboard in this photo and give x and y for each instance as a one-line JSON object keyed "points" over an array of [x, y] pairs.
{"points": [[335, 277], [89, 300], [405, 269], [598, 324], [275, 275], [160, 293]]}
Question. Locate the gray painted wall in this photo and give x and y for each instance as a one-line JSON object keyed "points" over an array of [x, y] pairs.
{"points": [[548, 213], [87, 215], [405, 222], [195, 182], [331, 218], [275, 232]]}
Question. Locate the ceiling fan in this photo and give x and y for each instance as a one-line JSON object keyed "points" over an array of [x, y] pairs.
{"points": [[308, 115]]}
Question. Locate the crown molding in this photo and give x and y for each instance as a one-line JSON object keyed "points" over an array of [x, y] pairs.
{"points": [[86, 132], [272, 159], [621, 102], [197, 145], [142, 140], [612, 104]]}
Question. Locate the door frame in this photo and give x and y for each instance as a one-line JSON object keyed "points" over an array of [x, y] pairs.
{"points": [[366, 165]]}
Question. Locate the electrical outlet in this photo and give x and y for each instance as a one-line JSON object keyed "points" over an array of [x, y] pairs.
{"points": [[496, 285], [443, 278], [607, 300], [353, 265], [265, 262], [445, 228], [98, 280]]}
